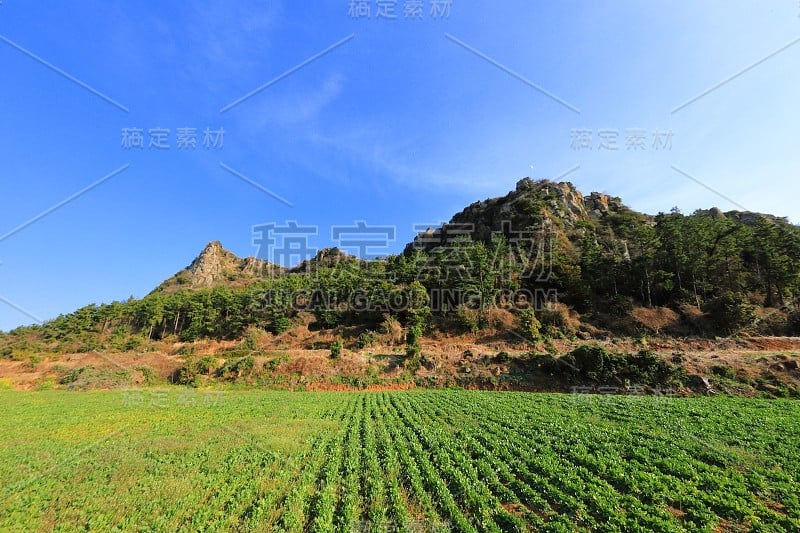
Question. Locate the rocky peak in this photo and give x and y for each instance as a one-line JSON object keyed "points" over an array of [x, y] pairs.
{"points": [[210, 265], [210, 255], [217, 266], [535, 201], [533, 204], [526, 184]]}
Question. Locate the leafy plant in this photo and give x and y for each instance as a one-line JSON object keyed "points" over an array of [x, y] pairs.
{"points": [[529, 326], [364, 339], [279, 324], [336, 348]]}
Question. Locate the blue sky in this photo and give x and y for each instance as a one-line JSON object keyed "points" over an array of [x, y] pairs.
{"points": [[402, 122]]}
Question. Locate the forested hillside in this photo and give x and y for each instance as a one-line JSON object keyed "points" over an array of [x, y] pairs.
{"points": [[543, 260]]}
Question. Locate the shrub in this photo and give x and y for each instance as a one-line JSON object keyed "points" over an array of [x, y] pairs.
{"points": [[188, 371], [133, 343], [273, 364], [74, 374], [412, 363], [793, 322], [592, 361], [542, 362], [620, 306], [502, 358], [428, 362], [644, 359], [245, 365], [149, 375], [186, 349], [412, 341], [239, 368], [336, 349], [529, 326], [550, 347], [467, 319], [420, 317], [500, 319], [646, 367], [250, 343], [723, 371], [328, 318], [89, 377], [279, 324], [365, 339], [207, 364], [193, 367], [392, 328], [90, 346], [555, 317], [772, 323], [589, 358], [730, 312]]}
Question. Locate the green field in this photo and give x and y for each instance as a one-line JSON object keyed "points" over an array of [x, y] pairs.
{"points": [[396, 461]]}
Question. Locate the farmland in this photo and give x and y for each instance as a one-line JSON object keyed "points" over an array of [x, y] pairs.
{"points": [[384, 461]]}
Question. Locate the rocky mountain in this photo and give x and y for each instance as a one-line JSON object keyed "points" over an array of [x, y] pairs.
{"points": [[614, 270], [217, 266], [555, 208], [539, 205]]}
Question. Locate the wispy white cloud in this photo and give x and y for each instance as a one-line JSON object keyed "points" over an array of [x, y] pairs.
{"points": [[232, 35], [293, 108]]}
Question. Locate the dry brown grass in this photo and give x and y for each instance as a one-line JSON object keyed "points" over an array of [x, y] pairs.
{"points": [[501, 319], [21, 376], [656, 319], [695, 317], [391, 331], [314, 365], [560, 316]]}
